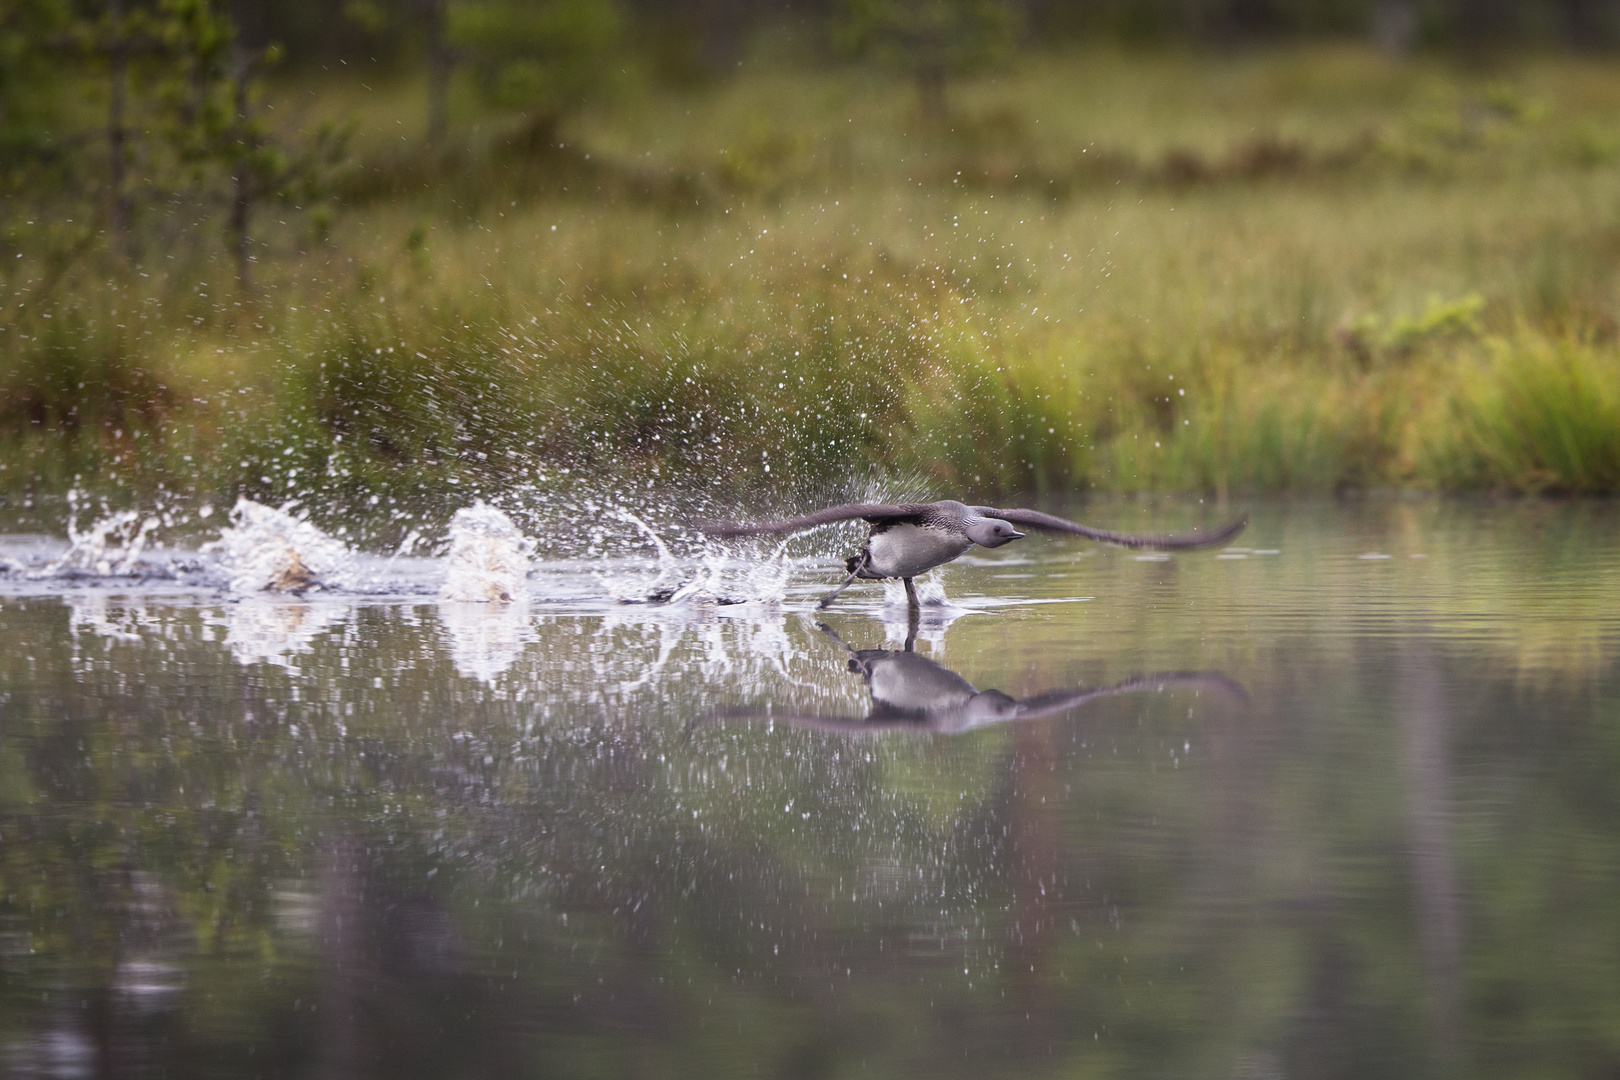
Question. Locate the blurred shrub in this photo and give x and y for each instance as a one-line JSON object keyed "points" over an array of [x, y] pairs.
{"points": [[977, 420], [68, 376], [1372, 336], [932, 41], [542, 59], [1538, 414]]}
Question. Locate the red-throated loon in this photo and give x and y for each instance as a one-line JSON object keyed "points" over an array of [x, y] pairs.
{"points": [[909, 539]]}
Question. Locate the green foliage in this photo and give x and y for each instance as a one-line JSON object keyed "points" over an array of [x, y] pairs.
{"points": [[1441, 322], [1537, 415], [541, 57], [931, 40], [115, 111], [976, 421], [218, 128], [368, 14], [73, 376], [700, 293], [32, 86]]}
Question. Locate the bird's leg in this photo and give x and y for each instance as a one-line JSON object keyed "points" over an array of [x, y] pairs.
{"points": [[826, 601], [911, 594], [913, 619]]}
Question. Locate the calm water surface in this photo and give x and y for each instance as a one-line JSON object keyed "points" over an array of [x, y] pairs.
{"points": [[1342, 802]]}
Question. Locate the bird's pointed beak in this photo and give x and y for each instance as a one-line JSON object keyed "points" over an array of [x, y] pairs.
{"points": [[1016, 536]]}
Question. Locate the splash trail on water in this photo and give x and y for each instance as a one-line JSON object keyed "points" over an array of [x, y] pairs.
{"points": [[489, 557], [642, 556], [275, 586], [269, 550], [110, 546]]}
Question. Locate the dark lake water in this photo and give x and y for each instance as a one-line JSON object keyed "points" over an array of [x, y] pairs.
{"points": [[1342, 802]]}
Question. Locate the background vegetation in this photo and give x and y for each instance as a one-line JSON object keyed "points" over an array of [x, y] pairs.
{"points": [[982, 247]]}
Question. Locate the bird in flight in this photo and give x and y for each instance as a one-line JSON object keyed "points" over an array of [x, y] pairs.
{"points": [[908, 539]]}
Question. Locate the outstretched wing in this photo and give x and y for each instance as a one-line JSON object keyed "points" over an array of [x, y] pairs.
{"points": [[1155, 541], [876, 513]]}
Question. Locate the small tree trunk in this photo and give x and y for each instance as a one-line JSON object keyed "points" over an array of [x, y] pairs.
{"points": [[236, 228], [440, 61], [118, 208], [1395, 26], [931, 90]]}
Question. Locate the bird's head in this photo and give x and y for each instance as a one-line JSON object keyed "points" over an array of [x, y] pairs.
{"points": [[991, 532]]}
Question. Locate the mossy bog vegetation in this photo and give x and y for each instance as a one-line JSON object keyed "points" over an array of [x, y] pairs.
{"points": [[1291, 271]]}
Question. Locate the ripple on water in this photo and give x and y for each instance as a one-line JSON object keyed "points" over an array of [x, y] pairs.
{"points": [[380, 818]]}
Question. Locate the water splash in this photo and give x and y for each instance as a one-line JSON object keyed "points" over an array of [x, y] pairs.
{"points": [[110, 546], [930, 591], [721, 578], [715, 575], [616, 548], [489, 557], [670, 578], [269, 550]]}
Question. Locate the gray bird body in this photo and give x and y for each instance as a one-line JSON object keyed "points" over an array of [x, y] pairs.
{"points": [[909, 539], [905, 551]]}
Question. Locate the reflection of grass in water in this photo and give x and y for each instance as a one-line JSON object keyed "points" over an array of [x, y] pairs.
{"points": [[1262, 848], [1286, 272], [1539, 596]]}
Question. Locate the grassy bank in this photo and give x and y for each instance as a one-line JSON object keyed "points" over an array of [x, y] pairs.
{"points": [[1291, 271]]}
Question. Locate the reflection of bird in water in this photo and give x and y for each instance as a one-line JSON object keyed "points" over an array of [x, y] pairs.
{"points": [[913, 693], [908, 539]]}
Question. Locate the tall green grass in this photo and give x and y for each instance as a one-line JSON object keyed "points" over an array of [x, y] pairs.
{"points": [[1532, 415], [1307, 270]]}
